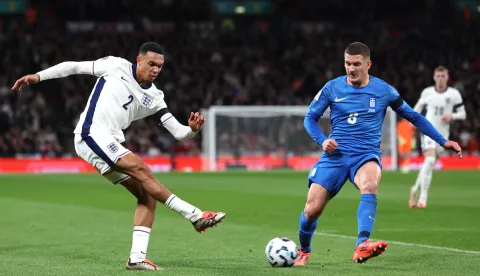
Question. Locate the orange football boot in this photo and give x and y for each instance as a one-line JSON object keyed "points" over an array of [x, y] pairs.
{"points": [[367, 250], [302, 258], [208, 219], [143, 265]]}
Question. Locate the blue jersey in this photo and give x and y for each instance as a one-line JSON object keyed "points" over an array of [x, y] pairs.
{"points": [[357, 114]]}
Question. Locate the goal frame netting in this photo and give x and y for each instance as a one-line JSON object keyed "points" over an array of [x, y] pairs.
{"points": [[209, 132]]}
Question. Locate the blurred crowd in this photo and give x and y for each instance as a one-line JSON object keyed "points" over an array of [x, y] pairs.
{"points": [[222, 64]]}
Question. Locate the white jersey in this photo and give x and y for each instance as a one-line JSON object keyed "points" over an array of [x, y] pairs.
{"points": [[439, 104], [117, 99]]}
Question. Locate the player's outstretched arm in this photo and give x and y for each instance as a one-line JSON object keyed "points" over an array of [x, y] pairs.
{"points": [[422, 102], [26, 81], [453, 146], [459, 113], [419, 121], [178, 130], [60, 70]]}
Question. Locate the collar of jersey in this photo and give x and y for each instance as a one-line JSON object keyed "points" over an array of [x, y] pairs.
{"points": [[446, 88], [370, 78], [134, 72]]}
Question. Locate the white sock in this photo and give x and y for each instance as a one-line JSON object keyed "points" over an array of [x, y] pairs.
{"points": [[141, 234], [418, 182], [185, 209], [427, 177]]}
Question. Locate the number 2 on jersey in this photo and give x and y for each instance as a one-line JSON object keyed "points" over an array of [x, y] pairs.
{"points": [[438, 111], [130, 99]]}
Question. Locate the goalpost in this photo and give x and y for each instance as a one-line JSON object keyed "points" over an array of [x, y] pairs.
{"points": [[272, 137]]}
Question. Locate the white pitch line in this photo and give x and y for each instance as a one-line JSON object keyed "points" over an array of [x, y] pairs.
{"points": [[419, 229], [404, 243]]}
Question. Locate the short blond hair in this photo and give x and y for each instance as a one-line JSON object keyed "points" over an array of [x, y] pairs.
{"points": [[440, 68]]}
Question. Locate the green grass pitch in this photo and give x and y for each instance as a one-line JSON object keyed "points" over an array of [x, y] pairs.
{"points": [[82, 225]]}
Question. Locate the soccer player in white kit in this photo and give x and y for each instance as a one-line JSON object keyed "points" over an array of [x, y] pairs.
{"points": [[443, 105], [123, 93]]}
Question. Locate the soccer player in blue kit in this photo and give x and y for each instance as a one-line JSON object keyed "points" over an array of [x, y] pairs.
{"points": [[358, 103]]}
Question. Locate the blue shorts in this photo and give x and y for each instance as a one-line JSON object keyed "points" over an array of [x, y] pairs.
{"points": [[332, 171]]}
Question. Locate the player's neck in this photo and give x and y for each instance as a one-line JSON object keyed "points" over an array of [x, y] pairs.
{"points": [[440, 88], [143, 83], [363, 83], [140, 80]]}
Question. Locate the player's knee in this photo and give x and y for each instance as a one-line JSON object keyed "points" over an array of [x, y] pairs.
{"points": [[141, 170], [311, 214], [313, 209], [369, 186]]}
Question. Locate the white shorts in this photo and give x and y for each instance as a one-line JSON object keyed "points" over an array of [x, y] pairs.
{"points": [[101, 151], [428, 144]]}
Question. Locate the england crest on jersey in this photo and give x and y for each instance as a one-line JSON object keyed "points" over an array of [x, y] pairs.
{"points": [[146, 100], [112, 147]]}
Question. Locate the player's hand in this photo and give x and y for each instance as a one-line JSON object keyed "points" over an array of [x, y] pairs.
{"points": [[453, 146], [329, 145], [447, 118], [196, 121], [26, 81]]}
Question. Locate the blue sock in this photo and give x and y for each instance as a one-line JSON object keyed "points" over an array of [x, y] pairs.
{"points": [[367, 210], [305, 233]]}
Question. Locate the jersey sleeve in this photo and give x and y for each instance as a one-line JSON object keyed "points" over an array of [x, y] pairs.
{"points": [[65, 69], [318, 106], [160, 104], [321, 101], [168, 121], [393, 98], [160, 108], [105, 65], [422, 101], [457, 99], [459, 112]]}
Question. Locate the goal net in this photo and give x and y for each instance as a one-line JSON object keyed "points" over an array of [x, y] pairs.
{"points": [[272, 137]]}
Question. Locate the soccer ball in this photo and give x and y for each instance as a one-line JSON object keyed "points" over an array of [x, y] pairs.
{"points": [[281, 252]]}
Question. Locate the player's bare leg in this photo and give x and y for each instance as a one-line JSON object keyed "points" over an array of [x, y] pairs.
{"points": [[414, 191], [317, 200], [367, 179], [142, 221], [412, 202], [423, 181], [133, 166]]}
